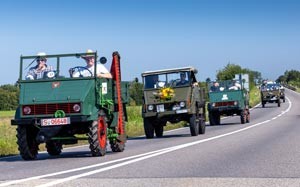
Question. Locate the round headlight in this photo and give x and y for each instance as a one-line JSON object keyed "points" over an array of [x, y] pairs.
{"points": [[27, 110], [182, 104], [214, 104], [150, 107], [76, 107], [235, 103]]}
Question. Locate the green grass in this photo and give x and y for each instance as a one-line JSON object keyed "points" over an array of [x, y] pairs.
{"points": [[8, 145], [6, 114], [254, 96]]}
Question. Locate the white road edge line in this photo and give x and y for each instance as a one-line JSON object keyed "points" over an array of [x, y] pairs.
{"points": [[174, 148]]}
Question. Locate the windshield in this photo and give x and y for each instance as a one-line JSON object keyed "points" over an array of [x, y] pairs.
{"points": [[54, 66], [175, 79], [217, 86], [270, 87]]}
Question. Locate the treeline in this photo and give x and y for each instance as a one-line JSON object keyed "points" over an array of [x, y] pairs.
{"points": [[9, 97], [291, 77], [229, 71]]}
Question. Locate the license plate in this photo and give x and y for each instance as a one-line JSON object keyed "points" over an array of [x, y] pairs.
{"points": [[160, 108], [181, 111], [55, 121]]}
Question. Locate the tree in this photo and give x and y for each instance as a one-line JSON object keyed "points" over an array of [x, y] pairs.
{"points": [[9, 97], [230, 70], [136, 93]]}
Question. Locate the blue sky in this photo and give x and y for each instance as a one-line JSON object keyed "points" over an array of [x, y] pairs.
{"points": [[262, 35]]}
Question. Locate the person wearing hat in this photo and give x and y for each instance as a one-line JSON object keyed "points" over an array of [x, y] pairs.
{"points": [[90, 67], [37, 72], [183, 80], [215, 87]]}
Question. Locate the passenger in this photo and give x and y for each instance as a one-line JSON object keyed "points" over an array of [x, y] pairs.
{"points": [[38, 71], [236, 85], [215, 87]]}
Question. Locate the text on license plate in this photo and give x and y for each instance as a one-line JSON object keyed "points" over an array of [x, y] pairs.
{"points": [[55, 121]]}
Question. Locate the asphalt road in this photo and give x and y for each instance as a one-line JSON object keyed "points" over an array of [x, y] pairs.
{"points": [[265, 152]]}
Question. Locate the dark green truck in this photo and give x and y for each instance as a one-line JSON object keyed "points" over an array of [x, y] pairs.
{"points": [[229, 97], [56, 109]]}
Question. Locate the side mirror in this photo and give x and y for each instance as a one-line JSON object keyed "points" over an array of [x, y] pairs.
{"points": [[103, 60]]}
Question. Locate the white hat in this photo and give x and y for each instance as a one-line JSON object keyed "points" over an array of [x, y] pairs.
{"points": [[88, 55], [41, 55]]}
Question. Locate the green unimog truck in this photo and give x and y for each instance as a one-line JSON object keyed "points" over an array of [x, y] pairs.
{"points": [[229, 97], [58, 108], [172, 95]]}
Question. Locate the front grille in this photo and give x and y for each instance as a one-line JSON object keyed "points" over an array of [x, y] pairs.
{"points": [[220, 104], [44, 109]]}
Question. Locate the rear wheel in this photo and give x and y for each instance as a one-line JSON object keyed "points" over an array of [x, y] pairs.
{"points": [[28, 146], [148, 128], [54, 147], [278, 102], [263, 104], [194, 125], [98, 136]]}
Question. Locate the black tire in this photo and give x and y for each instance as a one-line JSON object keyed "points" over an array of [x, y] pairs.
{"points": [[159, 129], [194, 125], [218, 118], [27, 144], [97, 136], [243, 116], [54, 147], [117, 145], [211, 119], [263, 104], [278, 102], [148, 128], [284, 99], [202, 125]]}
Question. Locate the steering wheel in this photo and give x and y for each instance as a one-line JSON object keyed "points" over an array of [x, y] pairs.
{"points": [[79, 70]]}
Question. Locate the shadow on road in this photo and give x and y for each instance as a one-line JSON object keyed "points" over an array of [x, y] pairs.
{"points": [[46, 156], [164, 137]]}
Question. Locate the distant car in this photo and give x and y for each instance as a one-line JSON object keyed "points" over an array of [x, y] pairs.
{"points": [[282, 92], [270, 93], [172, 95]]}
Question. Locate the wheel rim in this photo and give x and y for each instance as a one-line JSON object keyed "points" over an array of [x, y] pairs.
{"points": [[102, 132]]}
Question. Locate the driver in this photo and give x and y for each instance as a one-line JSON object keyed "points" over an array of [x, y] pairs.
{"points": [[38, 71], [89, 69]]}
